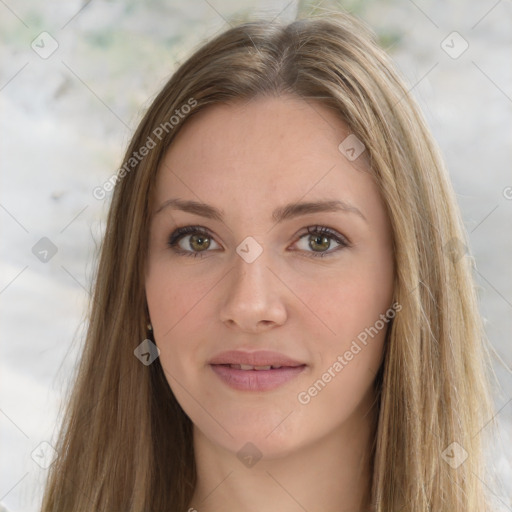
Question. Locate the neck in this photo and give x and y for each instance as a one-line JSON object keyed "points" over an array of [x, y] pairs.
{"points": [[332, 474]]}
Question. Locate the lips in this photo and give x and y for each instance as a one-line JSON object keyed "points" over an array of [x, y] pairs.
{"points": [[255, 371], [259, 360], [251, 367]]}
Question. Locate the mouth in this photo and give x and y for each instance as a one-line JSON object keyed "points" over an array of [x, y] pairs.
{"points": [[255, 371], [260, 360], [246, 367]]}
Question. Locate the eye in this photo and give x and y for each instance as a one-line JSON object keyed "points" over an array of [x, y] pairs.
{"points": [[199, 240], [320, 237]]}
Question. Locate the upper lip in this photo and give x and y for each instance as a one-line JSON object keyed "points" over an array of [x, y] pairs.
{"points": [[259, 358]]}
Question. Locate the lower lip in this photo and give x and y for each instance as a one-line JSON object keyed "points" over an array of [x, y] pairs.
{"points": [[256, 380]]}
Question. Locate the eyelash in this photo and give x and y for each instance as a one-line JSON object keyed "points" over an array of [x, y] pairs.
{"points": [[179, 233]]}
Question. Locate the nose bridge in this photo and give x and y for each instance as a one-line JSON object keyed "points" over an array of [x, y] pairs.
{"points": [[251, 275], [253, 295]]}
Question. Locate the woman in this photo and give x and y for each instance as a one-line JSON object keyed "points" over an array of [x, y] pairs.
{"points": [[321, 349]]}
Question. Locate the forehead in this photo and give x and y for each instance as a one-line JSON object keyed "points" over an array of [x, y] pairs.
{"points": [[267, 149]]}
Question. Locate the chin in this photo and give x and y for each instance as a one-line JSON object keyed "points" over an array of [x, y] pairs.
{"points": [[262, 440]]}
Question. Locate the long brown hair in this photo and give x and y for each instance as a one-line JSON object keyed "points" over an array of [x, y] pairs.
{"points": [[126, 444]]}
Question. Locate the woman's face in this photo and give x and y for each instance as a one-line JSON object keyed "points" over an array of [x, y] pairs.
{"points": [[252, 282]]}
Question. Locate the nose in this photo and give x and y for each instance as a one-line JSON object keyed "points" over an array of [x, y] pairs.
{"points": [[253, 297]]}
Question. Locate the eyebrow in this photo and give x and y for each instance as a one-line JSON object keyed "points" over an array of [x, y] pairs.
{"points": [[280, 214]]}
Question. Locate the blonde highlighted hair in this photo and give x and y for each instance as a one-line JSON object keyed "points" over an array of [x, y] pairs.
{"points": [[126, 444]]}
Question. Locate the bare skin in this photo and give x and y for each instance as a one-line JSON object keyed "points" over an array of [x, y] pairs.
{"points": [[247, 159]]}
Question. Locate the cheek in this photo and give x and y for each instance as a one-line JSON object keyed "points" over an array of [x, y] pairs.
{"points": [[350, 302], [342, 389], [349, 360], [355, 307], [347, 363], [171, 299], [176, 307]]}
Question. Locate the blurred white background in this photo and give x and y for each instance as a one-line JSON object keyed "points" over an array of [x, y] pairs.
{"points": [[75, 78]]}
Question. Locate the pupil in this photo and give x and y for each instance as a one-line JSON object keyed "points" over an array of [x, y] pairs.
{"points": [[199, 239], [319, 239]]}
